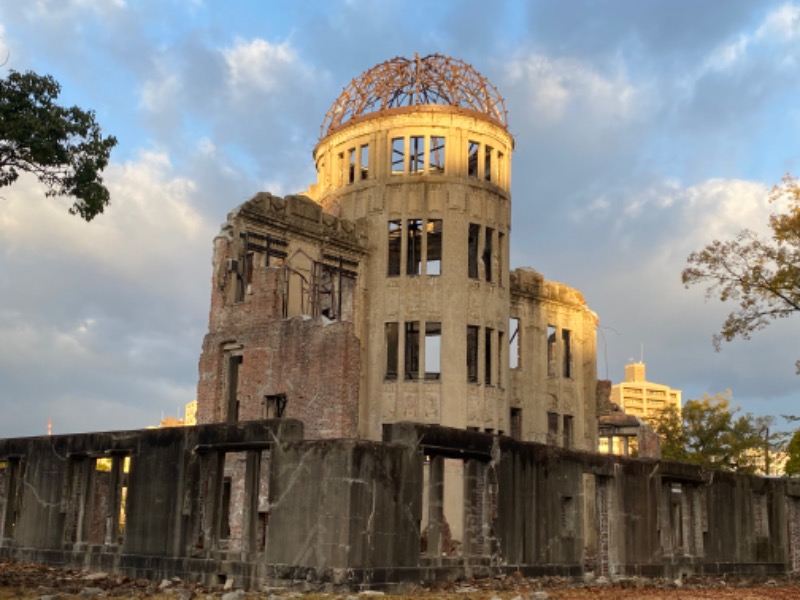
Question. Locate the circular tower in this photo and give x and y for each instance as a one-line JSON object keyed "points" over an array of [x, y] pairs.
{"points": [[418, 150]]}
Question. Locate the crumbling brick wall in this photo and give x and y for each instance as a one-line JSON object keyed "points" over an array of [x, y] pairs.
{"points": [[315, 364]]}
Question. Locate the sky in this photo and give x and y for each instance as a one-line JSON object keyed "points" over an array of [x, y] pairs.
{"points": [[644, 129]]}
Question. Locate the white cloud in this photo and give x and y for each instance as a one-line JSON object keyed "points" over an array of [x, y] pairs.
{"points": [[556, 86], [259, 64], [727, 55], [782, 24], [160, 93], [149, 228]]}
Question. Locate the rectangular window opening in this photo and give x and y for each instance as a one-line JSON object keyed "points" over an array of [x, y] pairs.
{"points": [[552, 428], [234, 363], [417, 154], [412, 351], [487, 356], [472, 250], [487, 253], [433, 350], [364, 164], [433, 264], [515, 424], [500, 167], [567, 352], [395, 247], [414, 247], [225, 509], [392, 331], [340, 174], [513, 342], [274, 406], [487, 163], [351, 165], [472, 353], [501, 238], [567, 432], [551, 351], [501, 346], [436, 156], [398, 156], [472, 159]]}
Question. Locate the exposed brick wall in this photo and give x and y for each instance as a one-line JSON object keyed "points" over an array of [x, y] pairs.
{"points": [[315, 365], [313, 362]]}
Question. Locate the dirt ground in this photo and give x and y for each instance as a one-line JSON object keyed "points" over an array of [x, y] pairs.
{"points": [[18, 580]]}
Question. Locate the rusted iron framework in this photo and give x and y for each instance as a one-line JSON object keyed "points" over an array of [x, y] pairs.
{"points": [[399, 82]]}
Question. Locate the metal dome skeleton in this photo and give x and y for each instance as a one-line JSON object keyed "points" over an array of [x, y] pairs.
{"points": [[400, 82]]}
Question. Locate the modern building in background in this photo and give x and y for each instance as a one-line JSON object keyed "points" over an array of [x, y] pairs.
{"points": [[642, 398]]}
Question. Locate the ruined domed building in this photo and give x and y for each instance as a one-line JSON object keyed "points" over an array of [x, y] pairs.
{"points": [[384, 294], [382, 400]]}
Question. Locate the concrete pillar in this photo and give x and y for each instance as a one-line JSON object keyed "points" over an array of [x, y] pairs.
{"points": [[435, 506], [114, 499], [250, 516]]}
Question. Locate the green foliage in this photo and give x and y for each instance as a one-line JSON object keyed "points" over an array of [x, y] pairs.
{"points": [[62, 146], [792, 467], [710, 434], [762, 276]]}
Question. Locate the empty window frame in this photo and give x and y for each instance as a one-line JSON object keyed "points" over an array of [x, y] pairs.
{"points": [[487, 253], [412, 350], [514, 343], [433, 263], [501, 240], [500, 168], [340, 170], [472, 353], [398, 156], [392, 335], [433, 350], [472, 158], [566, 351], [416, 154], [501, 346], [568, 431], [274, 406], [487, 163], [551, 351], [364, 161], [472, 250], [395, 248], [515, 424], [351, 165], [487, 356], [414, 246], [436, 155], [552, 428], [234, 363]]}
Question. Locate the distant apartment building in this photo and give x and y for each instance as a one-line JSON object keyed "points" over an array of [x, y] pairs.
{"points": [[626, 428], [639, 397]]}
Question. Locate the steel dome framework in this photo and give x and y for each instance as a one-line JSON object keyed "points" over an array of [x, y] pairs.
{"points": [[401, 82]]}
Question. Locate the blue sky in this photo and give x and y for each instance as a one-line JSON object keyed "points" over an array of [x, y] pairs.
{"points": [[643, 130]]}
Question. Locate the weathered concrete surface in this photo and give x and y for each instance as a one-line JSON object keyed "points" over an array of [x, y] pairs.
{"points": [[347, 513]]}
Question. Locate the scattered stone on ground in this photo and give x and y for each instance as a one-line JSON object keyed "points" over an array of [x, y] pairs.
{"points": [[43, 582]]}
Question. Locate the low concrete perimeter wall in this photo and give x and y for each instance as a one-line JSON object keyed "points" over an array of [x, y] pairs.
{"points": [[354, 513]]}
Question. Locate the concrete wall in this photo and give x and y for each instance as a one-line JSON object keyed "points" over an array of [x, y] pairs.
{"points": [[348, 513]]}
